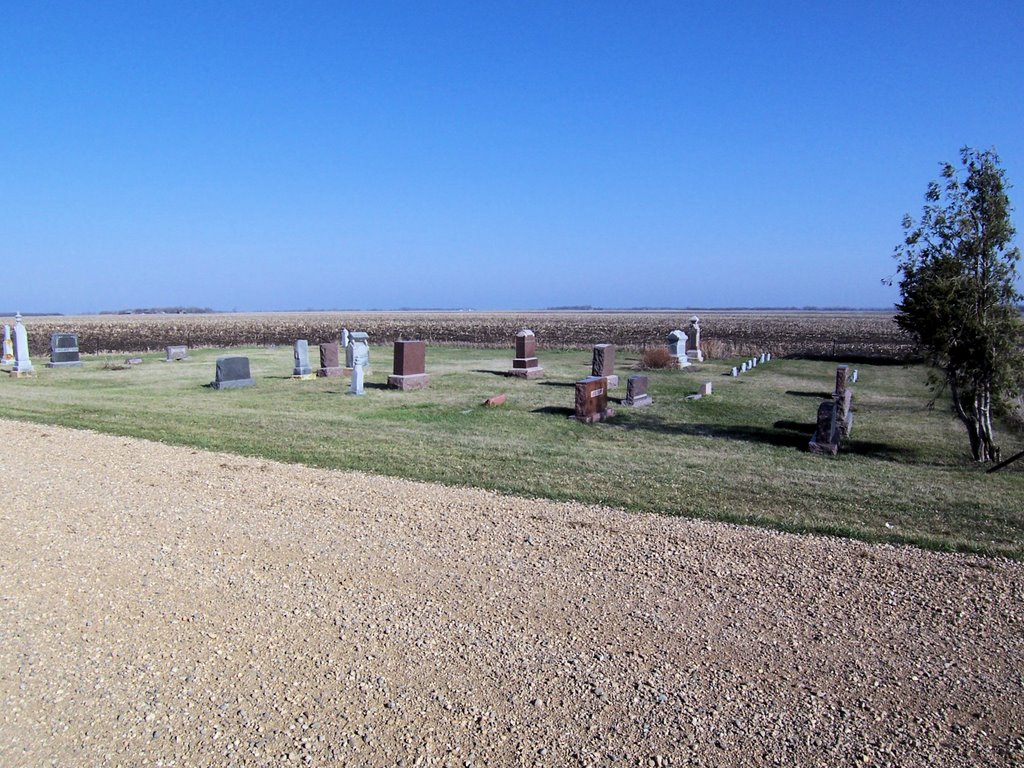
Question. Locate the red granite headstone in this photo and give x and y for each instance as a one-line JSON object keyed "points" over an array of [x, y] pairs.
{"points": [[525, 364], [410, 362], [330, 361], [592, 399]]}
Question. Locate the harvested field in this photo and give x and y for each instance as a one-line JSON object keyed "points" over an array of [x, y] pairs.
{"points": [[727, 333], [167, 606]]}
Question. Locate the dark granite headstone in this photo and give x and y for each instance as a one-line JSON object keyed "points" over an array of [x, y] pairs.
{"points": [[233, 373], [603, 363], [842, 380], [636, 392], [330, 361], [525, 364], [592, 400], [64, 351], [826, 434], [410, 363]]}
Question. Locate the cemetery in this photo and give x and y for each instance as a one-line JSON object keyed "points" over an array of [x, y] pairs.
{"points": [[756, 433]]}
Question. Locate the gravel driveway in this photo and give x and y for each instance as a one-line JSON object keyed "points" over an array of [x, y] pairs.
{"points": [[167, 606]]}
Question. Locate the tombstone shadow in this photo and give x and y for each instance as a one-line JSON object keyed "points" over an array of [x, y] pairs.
{"points": [[374, 385], [555, 410], [558, 383], [818, 395], [503, 374]]}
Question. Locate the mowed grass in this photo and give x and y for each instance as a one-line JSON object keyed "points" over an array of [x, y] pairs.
{"points": [[739, 455]]}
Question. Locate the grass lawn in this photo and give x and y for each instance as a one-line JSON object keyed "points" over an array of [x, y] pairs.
{"points": [[739, 455]]}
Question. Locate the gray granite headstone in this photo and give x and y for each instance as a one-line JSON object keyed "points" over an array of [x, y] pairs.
{"points": [[22, 363], [636, 392], [64, 351], [233, 373], [735, 372], [693, 349], [357, 353], [356, 387], [302, 368], [176, 352], [676, 343]]}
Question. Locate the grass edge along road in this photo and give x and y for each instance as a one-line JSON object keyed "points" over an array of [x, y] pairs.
{"points": [[737, 456]]}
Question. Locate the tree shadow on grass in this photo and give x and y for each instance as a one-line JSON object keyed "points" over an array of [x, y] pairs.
{"points": [[818, 395], [558, 383], [782, 434]]}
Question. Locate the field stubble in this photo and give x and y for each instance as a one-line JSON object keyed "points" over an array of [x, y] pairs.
{"points": [[867, 335]]}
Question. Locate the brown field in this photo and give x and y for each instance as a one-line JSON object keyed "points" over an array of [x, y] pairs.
{"points": [[725, 333]]}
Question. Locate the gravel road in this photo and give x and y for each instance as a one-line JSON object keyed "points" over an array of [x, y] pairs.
{"points": [[166, 606]]}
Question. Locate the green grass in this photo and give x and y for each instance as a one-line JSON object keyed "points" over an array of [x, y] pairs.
{"points": [[739, 455]]}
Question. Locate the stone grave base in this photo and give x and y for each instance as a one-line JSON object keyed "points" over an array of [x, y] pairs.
{"points": [[695, 355], [638, 402], [595, 417], [304, 376], [233, 383], [682, 361], [824, 449], [412, 381], [527, 373], [330, 373], [69, 364], [613, 380]]}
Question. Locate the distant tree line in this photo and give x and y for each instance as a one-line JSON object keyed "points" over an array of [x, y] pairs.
{"points": [[161, 311]]}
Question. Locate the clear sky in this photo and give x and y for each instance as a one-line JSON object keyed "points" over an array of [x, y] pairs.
{"points": [[293, 155]]}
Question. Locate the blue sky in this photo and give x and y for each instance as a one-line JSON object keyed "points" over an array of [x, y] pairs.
{"points": [[261, 156]]}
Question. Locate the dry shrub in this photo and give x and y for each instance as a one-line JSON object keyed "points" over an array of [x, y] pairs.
{"points": [[656, 357]]}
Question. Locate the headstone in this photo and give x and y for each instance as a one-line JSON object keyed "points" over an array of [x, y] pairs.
{"points": [[357, 352], [826, 434], [693, 350], [753, 362], [762, 358], [603, 363], [344, 338], [844, 414], [705, 389], [64, 351], [133, 361], [410, 365], [524, 364], [853, 376], [233, 373], [346, 344], [768, 357], [842, 375], [7, 357], [592, 400], [676, 343], [735, 372], [329, 361], [496, 400], [177, 352], [743, 368], [636, 392], [22, 363], [302, 369], [356, 387]]}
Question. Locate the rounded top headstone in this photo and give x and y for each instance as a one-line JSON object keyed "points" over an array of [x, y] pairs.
{"points": [[694, 320], [525, 332], [677, 334]]}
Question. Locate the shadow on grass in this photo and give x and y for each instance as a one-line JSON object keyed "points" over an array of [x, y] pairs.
{"points": [[818, 395], [782, 434], [375, 385], [909, 359], [558, 383], [503, 374], [555, 410]]}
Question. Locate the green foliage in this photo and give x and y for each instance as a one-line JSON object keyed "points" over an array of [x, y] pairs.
{"points": [[959, 292]]}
